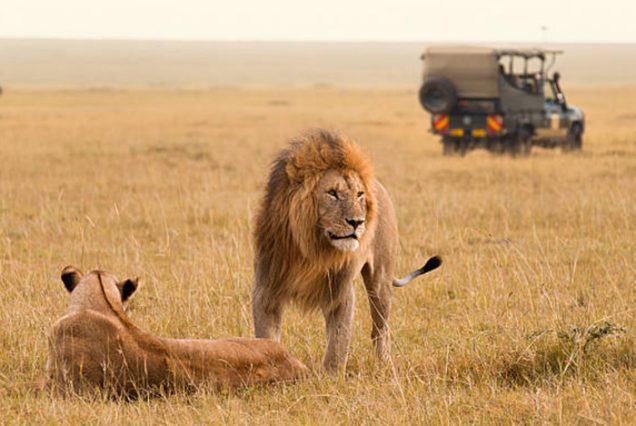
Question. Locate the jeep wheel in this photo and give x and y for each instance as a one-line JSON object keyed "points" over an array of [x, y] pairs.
{"points": [[496, 147], [452, 147], [574, 141], [438, 95], [520, 143]]}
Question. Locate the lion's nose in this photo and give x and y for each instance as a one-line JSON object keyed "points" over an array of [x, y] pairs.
{"points": [[355, 223]]}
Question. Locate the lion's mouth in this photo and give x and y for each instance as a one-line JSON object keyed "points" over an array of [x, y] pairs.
{"points": [[333, 236]]}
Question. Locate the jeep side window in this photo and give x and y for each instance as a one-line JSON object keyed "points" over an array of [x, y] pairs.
{"points": [[523, 79], [506, 75], [551, 94], [529, 85]]}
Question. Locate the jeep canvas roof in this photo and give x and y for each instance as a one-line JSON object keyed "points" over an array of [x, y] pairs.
{"points": [[474, 70]]}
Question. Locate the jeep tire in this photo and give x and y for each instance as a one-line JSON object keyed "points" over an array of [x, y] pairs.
{"points": [[451, 147], [520, 143], [438, 95], [574, 140]]}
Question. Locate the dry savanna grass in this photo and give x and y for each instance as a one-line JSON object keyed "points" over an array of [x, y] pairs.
{"points": [[530, 319]]}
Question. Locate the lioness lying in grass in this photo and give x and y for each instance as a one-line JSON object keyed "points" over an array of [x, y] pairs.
{"points": [[96, 346]]}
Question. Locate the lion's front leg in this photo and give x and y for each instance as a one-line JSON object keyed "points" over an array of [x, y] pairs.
{"points": [[267, 317], [378, 285], [339, 322]]}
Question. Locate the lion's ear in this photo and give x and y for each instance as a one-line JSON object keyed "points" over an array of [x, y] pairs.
{"points": [[71, 277], [128, 287]]}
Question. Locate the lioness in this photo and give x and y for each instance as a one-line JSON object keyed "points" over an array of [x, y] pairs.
{"points": [[324, 219], [96, 346]]}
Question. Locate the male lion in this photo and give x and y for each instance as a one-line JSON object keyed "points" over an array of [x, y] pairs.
{"points": [[95, 346], [324, 219]]}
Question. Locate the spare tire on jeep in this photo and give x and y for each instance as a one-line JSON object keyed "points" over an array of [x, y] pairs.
{"points": [[438, 95]]}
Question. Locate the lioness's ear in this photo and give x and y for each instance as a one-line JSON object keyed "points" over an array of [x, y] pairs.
{"points": [[70, 277], [128, 287]]}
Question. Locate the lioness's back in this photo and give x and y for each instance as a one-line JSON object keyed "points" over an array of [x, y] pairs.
{"points": [[79, 345], [251, 360]]}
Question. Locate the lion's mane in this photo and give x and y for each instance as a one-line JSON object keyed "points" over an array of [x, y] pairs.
{"points": [[290, 248]]}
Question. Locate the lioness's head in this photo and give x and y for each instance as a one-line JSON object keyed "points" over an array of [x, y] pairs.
{"points": [[88, 291], [331, 199]]}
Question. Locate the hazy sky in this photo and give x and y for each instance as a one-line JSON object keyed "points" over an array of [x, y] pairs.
{"points": [[352, 20]]}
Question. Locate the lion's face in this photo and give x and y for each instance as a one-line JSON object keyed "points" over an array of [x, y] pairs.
{"points": [[342, 209]]}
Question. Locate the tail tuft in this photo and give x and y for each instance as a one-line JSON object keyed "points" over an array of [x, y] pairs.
{"points": [[431, 264]]}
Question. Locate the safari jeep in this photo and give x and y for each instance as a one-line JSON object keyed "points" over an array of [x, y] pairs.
{"points": [[499, 99]]}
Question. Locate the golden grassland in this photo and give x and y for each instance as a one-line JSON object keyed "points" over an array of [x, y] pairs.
{"points": [[523, 322]]}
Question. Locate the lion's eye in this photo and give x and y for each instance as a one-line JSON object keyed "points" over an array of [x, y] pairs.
{"points": [[333, 194], [360, 194]]}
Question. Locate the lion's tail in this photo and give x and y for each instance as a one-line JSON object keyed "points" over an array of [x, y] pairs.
{"points": [[431, 264]]}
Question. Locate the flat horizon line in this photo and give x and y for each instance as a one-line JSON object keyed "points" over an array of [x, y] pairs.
{"points": [[306, 41]]}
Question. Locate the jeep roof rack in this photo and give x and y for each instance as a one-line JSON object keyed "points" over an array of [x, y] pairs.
{"points": [[526, 53]]}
